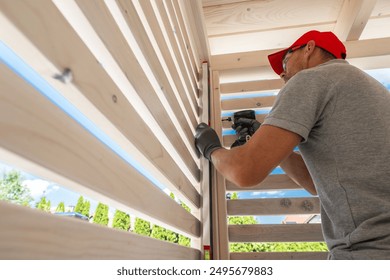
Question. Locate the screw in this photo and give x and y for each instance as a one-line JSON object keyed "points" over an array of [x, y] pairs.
{"points": [[307, 206], [285, 202], [66, 77]]}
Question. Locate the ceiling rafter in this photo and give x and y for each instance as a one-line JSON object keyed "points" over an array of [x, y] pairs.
{"points": [[353, 17], [355, 49]]}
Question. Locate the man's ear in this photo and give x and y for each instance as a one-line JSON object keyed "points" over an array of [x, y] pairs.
{"points": [[310, 46]]}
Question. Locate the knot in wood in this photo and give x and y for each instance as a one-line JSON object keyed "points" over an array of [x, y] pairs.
{"points": [[307, 206], [285, 202]]}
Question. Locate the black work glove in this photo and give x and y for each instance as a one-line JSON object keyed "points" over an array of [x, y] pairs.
{"points": [[244, 128], [206, 140]]}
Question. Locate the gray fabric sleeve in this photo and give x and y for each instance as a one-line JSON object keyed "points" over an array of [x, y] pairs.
{"points": [[300, 104]]}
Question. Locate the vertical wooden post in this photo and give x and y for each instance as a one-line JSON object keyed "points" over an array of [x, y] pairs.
{"points": [[220, 231]]}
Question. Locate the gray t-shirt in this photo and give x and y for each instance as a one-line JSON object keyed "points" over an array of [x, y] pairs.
{"points": [[343, 116]]}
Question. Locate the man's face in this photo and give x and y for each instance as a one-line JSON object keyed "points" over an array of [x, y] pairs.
{"points": [[292, 63]]}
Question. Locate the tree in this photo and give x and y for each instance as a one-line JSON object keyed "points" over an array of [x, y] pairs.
{"points": [[101, 214], [60, 207], [11, 189], [82, 206], [86, 208], [44, 204], [121, 220], [79, 205], [164, 234], [142, 227]]}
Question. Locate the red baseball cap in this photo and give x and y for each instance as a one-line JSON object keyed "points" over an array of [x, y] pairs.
{"points": [[325, 40]]}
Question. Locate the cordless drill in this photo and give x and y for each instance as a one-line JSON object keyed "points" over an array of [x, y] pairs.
{"points": [[246, 129]]}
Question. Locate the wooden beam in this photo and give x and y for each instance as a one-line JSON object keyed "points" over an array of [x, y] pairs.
{"points": [[218, 189], [355, 49], [31, 234], [245, 103], [353, 18], [280, 256], [247, 17], [195, 19], [276, 233], [252, 86], [272, 182], [273, 206]]}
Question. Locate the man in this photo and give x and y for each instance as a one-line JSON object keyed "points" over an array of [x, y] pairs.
{"points": [[339, 117]]}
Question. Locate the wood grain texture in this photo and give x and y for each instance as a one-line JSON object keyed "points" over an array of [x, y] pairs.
{"points": [[273, 206], [280, 256], [36, 129], [276, 233], [30, 234], [272, 182]]}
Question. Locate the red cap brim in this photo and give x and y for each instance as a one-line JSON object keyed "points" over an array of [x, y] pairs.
{"points": [[276, 61]]}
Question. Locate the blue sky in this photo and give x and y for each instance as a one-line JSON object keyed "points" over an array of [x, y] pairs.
{"points": [[56, 193]]}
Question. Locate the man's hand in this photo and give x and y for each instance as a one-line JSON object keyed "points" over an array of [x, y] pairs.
{"points": [[206, 140], [244, 127]]}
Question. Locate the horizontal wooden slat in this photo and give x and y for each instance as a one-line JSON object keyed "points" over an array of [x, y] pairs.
{"points": [[276, 233], [252, 86], [273, 206], [280, 256], [252, 16], [31, 234], [245, 103], [272, 182], [355, 49], [34, 128]]}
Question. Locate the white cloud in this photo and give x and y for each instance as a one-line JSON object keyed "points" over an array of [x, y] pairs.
{"points": [[37, 187]]}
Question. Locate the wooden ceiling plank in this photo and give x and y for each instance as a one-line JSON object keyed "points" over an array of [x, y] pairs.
{"points": [[355, 49], [353, 17]]}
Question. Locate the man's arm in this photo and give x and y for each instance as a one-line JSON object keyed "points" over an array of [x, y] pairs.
{"points": [[296, 169], [250, 164]]}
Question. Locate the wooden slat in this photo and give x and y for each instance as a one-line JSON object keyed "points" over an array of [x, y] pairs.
{"points": [[355, 49], [276, 233], [252, 86], [353, 18], [272, 182], [30, 234], [165, 120], [195, 21], [182, 35], [280, 256], [174, 61], [219, 212], [273, 206], [245, 103], [60, 144], [95, 84], [252, 16], [192, 71], [205, 166]]}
